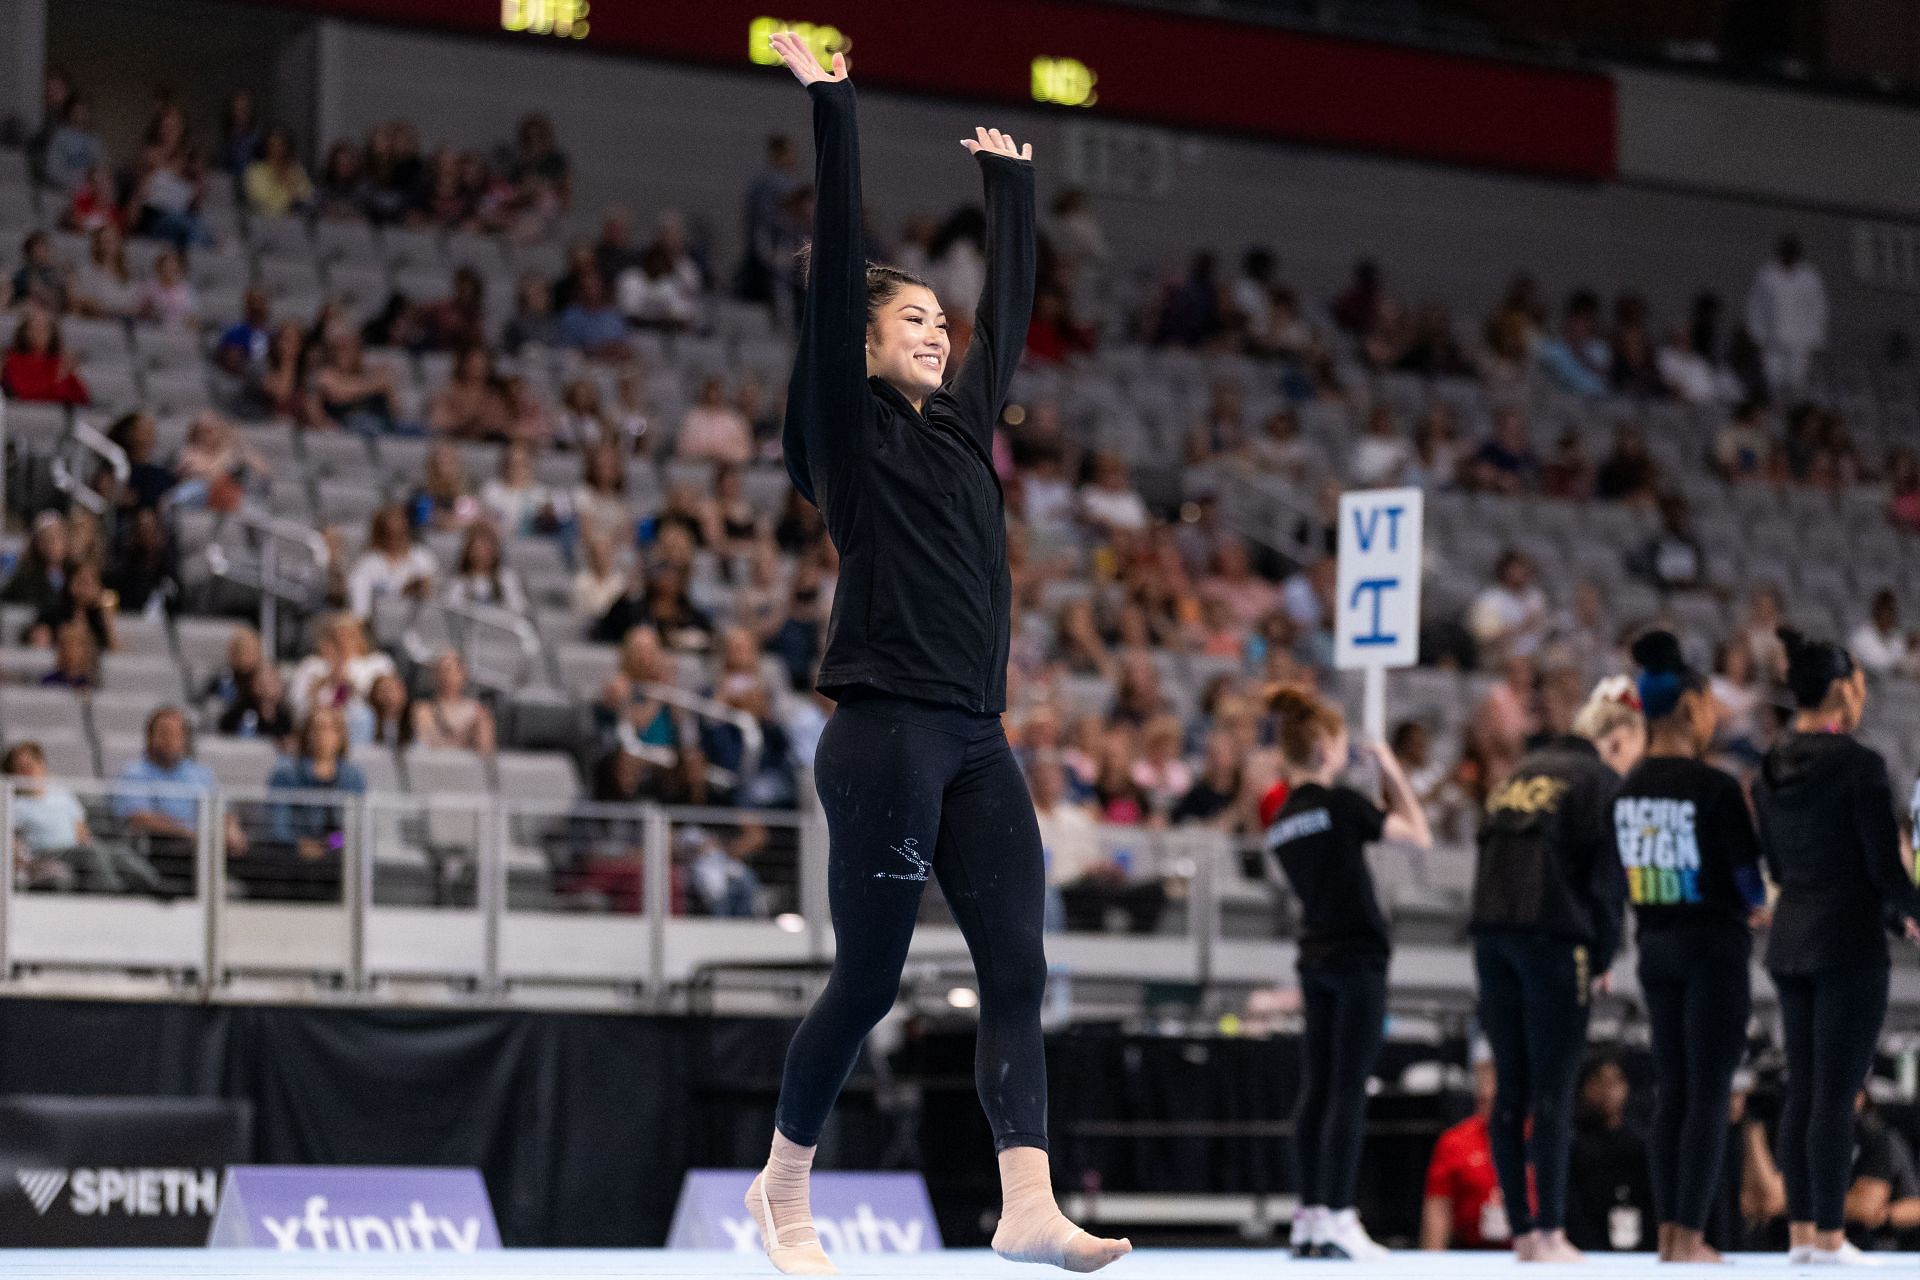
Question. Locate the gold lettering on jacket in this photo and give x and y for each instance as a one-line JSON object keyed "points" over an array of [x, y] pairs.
{"points": [[1528, 795]]}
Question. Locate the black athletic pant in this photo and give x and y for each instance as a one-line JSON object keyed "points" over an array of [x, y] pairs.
{"points": [[1699, 992], [1533, 1009], [1832, 1022], [1346, 1021], [909, 789]]}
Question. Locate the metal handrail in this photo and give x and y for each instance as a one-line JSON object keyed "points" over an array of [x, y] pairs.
{"points": [[753, 742], [95, 442], [274, 531], [473, 617]]}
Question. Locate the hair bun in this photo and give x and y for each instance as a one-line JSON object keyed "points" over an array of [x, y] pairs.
{"points": [[1659, 651]]}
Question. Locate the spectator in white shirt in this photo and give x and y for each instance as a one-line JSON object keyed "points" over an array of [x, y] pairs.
{"points": [[514, 499], [1878, 644], [392, 565], [1382, 456], [1787, 316], [1109, 503], [340, 671], [1510, 616], [1690, 375], [1069, 835]]}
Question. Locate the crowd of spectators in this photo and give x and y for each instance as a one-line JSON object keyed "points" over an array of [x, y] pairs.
{"points": [[1143, 633]]}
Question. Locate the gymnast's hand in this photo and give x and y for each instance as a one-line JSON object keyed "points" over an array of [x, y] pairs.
{"points": [[996, 143], [800, 59]]}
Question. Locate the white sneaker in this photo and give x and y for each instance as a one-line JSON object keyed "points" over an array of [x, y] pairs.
{"points": [[1301, 1239], [1344, 1237], [1800, 1255], [1845, 1256]]}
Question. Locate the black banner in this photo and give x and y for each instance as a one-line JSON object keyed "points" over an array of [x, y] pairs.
{"points": [[111, 1172]]}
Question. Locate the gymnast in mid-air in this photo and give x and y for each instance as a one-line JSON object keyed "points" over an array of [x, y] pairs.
{"points": [[914, 772]]}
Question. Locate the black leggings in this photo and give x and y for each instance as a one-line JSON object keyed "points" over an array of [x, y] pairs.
{"points": [[1698, 990], [1533, 1009], [911, 788], [1832, 1021], [1346, 1020]]}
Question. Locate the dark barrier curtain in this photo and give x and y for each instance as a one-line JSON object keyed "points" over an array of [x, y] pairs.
{"points": [[582, 1125]]}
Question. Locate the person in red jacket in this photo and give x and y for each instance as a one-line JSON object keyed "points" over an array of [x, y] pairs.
{"points": [[36, 368], [1463, 1207]]}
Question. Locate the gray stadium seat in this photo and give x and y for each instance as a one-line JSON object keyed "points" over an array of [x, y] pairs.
{"points": [[536, 775]]}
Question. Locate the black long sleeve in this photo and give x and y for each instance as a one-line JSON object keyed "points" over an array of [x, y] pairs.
{"points": [[1880, 840], [1006, 303], [829, 406], [1607, 880]]}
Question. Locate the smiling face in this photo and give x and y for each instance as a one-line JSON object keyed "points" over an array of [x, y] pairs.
{"points": [[907, 342]]}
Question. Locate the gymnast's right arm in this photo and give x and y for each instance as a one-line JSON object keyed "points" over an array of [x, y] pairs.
{"points": [[828, 400]]}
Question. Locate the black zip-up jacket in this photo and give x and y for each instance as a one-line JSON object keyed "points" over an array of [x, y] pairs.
{"points": [[910, 498], [1548, 863], [1832, 844]]}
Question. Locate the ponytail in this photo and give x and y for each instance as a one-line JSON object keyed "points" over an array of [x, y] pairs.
{"points": [[1303, 721], [1813, 667], [884, 283]]}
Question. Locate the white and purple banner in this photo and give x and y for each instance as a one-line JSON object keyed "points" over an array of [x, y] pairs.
{"points": [[327, 1209], [853, 1212]]}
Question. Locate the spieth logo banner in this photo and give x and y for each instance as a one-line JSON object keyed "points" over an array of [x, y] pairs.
{"points": [[853, 1212], [112, 1172], [345, 1210]]}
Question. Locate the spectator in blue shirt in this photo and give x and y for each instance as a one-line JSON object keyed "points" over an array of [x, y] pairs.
{"points": [[591, 324], [157, 798], [74, 151], [321, 765]]}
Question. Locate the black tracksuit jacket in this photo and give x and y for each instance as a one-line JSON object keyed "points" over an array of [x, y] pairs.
{"points": [[910, 497]]}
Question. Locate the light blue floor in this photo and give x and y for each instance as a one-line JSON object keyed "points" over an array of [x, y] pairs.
{"points": [[954, 1264]]}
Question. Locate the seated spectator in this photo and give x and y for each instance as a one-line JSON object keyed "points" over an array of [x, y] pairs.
{"points": [[40, 578], [1629, 473], [1505, 463], [384, 718], [663, 603], [1161, 774], [276, 184], [599, 501], [94, 203], [1388, 339], [1883, 1195], [457, 322], [261, 709], [1759, 630], [1691, 375], [534, 323], [217, 466], [84, 599], [157, 799], [350, 393], [713, 429], [452, 718], [342, 668], [1214, 799], [1579, 636], [37, 367], [104, 287], [1636, 370], [343, 193], [1069, 836], [280, 388], [729, 523], [1431, 350], [655, 295], [445, 500], [1568, 473], [53, 846], [800, 638], [1609, 1188], [481, 577], [302, 859], [626, 708], [1356, 308], [76, 662], [241, 133], [169, 185], [514, 500], [1463, 1208], [145, 572], [393, 564], [582, 422], [74, 150], [149, 479], [1878, 644], [1673, 560], [1741, 448], [1509, 616], [1381, 457], [1579, 359], [591, 324], [1109, 504], [40, 281], [1247, 596], [1741, 729], [1436, 451], [226, 687], [599, 581], [169, 298], [1904, 508]]}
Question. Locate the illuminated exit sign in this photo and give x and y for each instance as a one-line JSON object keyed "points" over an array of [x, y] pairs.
{"points": [[1066, 82], [824, 40], [566, 19]]}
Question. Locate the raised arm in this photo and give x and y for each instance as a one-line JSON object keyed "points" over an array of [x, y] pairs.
{"points": [[1006, 304], [827, 398]]}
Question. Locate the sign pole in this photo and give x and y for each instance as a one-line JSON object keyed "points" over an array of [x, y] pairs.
{"points": [[1373, 707]]}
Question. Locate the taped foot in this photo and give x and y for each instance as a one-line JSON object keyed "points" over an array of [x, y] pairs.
{"points": [[1050, 1239], [792, 1244]]}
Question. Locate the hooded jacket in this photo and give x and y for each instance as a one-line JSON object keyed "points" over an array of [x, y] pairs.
{"points": [[1548, 863], [1832, 843], [910, 497]]}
